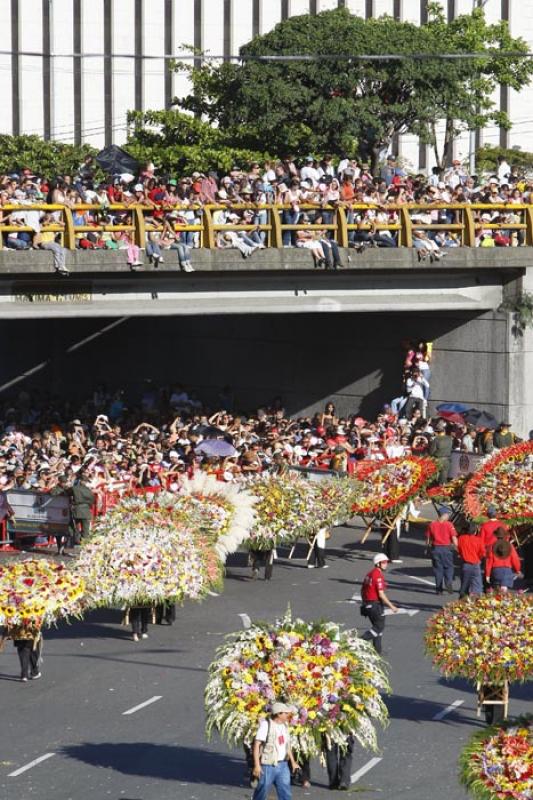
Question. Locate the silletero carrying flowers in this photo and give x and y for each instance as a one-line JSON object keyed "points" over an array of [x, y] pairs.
{"points": [[223, 512], [332, 677], [145, 560], [36, 592], [284, 510], [388, 485], [505, 482], [488, 639], [497, 764]]}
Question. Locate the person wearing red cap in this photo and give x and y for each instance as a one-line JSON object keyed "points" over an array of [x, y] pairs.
{"points": [[374, 599]]}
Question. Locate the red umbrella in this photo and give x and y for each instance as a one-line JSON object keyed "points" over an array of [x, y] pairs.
{"points": [[452, 416]]}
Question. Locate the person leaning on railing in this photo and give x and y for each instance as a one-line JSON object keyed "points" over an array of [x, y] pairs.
{"points": [[46, 240]]}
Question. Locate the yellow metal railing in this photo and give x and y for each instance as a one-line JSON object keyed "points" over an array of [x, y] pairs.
{"points": [[344, 221]]}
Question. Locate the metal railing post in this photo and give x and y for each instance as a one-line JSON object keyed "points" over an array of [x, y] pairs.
{"points": [[342, 227], [140, 226], [209, 234], [69, 236], [275, 222]]}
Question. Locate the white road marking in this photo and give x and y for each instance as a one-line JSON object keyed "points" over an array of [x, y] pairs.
{"points": [[367, 767], [213, 594], [30, 765], [149, 702], [355, 598], [409, 611], [448, 710], [246, 621], [421, 580]]}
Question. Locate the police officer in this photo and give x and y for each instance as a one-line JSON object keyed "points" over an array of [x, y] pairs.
{"points": [[504, 437], [82, 502], [441, 449], [374, 599], [441, 536]]}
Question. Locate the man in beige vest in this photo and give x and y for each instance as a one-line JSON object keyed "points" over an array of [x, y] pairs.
{"points": [[272, 754]]}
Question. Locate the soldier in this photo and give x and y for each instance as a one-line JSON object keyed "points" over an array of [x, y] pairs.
{"points": [[82, 501], [441, 449]]}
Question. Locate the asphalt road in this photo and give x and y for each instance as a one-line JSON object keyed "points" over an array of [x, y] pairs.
{"points": [[73, 718]]}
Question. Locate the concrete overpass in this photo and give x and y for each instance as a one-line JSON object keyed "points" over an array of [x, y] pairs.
{"points": [[304, 333]]}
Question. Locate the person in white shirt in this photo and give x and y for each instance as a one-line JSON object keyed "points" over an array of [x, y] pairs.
{"points": [[503, 169], [272, 754], [310, 172]]}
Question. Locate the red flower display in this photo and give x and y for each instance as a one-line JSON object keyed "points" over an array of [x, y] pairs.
{"points": [[389, 484], [505, 482]]}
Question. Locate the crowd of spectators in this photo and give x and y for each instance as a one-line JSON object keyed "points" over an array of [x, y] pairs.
{"points": [[310, 189], [117, 443]]}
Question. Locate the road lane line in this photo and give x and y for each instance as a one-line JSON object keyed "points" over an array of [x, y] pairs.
{"points": [[421, 580], [149, 702], [246, 621], [33, 763], [367, 767], [447, 710]]}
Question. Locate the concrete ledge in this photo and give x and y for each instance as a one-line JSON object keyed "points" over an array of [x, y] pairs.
{"points": [[38, 262]]}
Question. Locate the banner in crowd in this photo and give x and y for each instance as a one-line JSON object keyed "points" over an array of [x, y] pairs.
{"points": [[38, 514]]}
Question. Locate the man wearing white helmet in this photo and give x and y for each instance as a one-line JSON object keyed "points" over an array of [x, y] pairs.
{"points": [[374, 599]]}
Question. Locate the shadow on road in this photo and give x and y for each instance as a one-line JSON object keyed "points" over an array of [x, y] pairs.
{"points": [[163, 762], [420, 710]]}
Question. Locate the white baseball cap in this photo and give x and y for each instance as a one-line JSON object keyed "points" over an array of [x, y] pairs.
{"points": [[379, 558]]}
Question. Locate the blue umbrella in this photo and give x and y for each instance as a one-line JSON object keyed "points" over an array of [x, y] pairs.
{"points": [[456, 408], [217, 448]]}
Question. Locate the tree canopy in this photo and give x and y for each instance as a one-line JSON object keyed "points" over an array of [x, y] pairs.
{"points": [[348, 104]]}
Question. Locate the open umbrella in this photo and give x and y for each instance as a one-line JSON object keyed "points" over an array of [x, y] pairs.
{"points": [[217, 448], [481, 419], [113, 160], [452, 416], [456, 408]]}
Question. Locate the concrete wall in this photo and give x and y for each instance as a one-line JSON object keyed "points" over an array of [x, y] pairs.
{"points": [[354, 359]]}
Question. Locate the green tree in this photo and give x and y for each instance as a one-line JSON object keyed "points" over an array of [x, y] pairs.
{"points": [[465, 101], [334, 105], [180, 143], [49, 158]]}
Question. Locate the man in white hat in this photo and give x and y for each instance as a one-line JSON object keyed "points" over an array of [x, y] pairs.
{"points": [[272, 754], [374, 599]]}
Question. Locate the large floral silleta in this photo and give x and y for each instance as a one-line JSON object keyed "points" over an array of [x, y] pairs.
{"points": [[224, 512], [333, 678], [488, 639], [388, 485], [283, 508], [36, 592], [505, 482], [144, 558], [497, 764]]}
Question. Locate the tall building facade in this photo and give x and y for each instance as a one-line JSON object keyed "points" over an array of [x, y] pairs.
{"points": [[71, 69]]}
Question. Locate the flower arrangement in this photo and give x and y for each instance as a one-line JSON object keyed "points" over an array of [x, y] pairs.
{"points": [[145, 562], [333, 500], [497, 764], [284, 510], [224, 512], [488, 639], [36, 592], [389, 484], [505, 482], [332, 677], [452, 491]]}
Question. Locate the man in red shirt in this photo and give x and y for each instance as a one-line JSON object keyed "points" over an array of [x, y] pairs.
{"points": [[472, 551], [441, 536], [374, 598]]}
